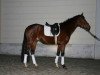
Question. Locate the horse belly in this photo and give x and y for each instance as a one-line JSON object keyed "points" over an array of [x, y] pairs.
{"points": [[47, 40]]}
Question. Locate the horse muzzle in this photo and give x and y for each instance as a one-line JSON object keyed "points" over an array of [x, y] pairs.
{"points": [[87, 28]]}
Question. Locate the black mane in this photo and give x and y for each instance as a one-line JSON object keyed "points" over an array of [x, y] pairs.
{"points": [[70, 20]]}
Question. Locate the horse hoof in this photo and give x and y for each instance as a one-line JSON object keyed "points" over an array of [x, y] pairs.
{"points": [[64, 66], [36, 65], [57, 65], [25, 65]]}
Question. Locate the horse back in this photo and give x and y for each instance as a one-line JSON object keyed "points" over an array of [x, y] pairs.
{"points": [[33, 28]]}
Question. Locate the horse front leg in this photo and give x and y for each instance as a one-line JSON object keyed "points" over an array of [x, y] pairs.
{"points": [[61, 49], [57, 57], [34, 60], [63, 59]]}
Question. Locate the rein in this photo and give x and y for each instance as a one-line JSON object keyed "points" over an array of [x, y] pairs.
{"points": [[94, 36]]}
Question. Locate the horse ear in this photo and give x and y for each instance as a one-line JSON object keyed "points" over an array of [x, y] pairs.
{"points": [[82, 14], [56, 23], [46, 23]]}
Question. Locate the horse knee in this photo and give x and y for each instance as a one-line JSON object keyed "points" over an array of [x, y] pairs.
{"points": [[32, 51], [58, 53], [26, 52], [62, 54]]}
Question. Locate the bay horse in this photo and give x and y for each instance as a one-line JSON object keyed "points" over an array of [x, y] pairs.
{"points": [[35, 32]]}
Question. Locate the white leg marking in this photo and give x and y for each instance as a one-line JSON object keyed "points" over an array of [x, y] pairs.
{"points": [[62, 61], [25, 60], [34, 61], [56, 61]]}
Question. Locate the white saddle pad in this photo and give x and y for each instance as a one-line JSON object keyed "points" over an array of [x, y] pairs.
{"points": [[47, 31]]}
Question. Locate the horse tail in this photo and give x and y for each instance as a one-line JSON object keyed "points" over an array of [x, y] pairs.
{"points": [[94, 36], [24, 48]]}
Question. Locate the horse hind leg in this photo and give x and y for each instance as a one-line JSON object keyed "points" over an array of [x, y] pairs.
{"points": [[33, 47], [25, 60], [34, 60], [26, 56]]}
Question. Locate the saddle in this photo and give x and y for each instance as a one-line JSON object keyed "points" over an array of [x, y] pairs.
{"points": [[54, 28]]}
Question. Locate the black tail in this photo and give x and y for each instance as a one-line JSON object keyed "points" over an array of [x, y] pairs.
{"points": [[94, 36], [24, 48]]}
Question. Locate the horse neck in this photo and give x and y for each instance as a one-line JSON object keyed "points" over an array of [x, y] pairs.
{"points": [[69, 27]]}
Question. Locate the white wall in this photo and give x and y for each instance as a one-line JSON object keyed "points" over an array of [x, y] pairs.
{"points": [[16, 15], [0, 20], [97, 45]]}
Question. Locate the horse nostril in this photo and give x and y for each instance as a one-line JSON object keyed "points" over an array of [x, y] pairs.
{"points": [[88, 28]]}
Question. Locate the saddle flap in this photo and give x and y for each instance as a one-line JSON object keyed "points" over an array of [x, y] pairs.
{"points": [[55, 29]]}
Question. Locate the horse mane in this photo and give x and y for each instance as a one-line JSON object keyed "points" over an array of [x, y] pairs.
{"points": [[70, 20]]}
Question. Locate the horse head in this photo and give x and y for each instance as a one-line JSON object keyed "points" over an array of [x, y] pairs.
{"points": [[81, 22]]}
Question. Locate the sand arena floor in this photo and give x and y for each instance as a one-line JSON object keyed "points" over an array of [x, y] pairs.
{"points": [[11, 65]]}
